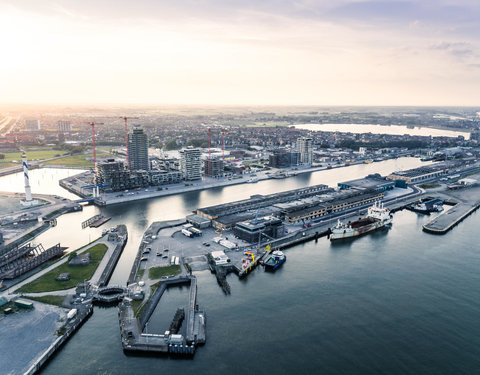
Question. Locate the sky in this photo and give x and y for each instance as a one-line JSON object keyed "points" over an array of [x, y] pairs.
{"points": [[250, 52]]}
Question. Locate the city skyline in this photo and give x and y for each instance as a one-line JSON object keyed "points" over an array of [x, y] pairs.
{"points": [[240, 53]]}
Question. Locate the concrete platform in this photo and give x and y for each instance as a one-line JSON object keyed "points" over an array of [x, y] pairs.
{"points": [[446, 221]]}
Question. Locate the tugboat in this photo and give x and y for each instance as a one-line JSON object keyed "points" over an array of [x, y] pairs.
{"points": [[426, 206], [377, 217], [275, 260]]}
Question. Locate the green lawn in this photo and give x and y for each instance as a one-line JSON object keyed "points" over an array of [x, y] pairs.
{"points": [[47, 282], [137, 310], [78, 160], [159, 272], [32, 154], [56, 300], [140, 274]]}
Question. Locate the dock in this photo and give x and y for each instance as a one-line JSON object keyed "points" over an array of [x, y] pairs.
{"points": [[122, 234], [84, 312], [447, 220], [131, 327], [95, 221]]}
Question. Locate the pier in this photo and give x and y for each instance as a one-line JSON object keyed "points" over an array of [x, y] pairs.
{"points": [[131, 327], [447, 220], [122, 235], [83, 313], [95, 221]]}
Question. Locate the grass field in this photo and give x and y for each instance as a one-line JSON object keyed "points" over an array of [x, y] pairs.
{"points": [[39, 153], [47, 282], [159, 272], [56, 300], [78, 160], [136, 303]]}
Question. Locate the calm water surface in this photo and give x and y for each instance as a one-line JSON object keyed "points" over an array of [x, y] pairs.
{"points": [[384, 129], [398, 301]]}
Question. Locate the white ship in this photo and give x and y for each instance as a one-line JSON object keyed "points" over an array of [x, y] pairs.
{"points": [[377, 217]]}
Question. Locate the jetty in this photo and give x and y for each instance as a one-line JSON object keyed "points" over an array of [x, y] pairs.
{"points": [[132, 328], [446, 221]]}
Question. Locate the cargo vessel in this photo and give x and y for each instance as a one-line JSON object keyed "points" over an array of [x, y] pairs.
{"points": [[377, 217]]}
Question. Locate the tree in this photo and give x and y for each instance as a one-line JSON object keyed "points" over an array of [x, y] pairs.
{"points": [[171, 145]]}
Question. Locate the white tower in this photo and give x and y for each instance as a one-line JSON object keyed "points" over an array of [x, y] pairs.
{"points": [[28, 192]]}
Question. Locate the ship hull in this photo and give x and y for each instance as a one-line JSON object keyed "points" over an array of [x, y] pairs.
{"points": [[355, 232], [273, 266]]}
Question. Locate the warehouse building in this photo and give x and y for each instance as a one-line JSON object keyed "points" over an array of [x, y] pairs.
{"points": [[371, 182], [261, 201], [413, 176], [298, 214]]}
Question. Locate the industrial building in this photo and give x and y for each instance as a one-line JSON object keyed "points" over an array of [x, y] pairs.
{"points": [[252, 230], [198, 221], [260, 201], [345, 201], [213, 167], [421, 174], [191, 164], [372, 181], [138, 150], [305, 148]]}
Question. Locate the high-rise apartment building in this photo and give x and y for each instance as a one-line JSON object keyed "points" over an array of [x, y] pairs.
{"points": [[138, 150], [305, 147], [32, 125], [191, 164], [213, 167], [64, 126]]}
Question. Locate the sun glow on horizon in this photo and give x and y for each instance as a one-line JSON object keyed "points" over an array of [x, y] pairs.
{"points": [[252, 57]]}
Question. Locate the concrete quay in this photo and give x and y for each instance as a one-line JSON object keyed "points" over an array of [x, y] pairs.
{"points": [[467, 201], [74, 184], [115, 241], [446, 221], [132, 327]]}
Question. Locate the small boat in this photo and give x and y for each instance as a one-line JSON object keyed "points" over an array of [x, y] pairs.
{"points": [[275, 260], [426, 206], [252, 180]]}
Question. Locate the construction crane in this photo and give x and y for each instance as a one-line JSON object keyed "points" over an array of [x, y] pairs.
{"points": [[223, 146], [209, 141], [126, 135], [92, 124]]}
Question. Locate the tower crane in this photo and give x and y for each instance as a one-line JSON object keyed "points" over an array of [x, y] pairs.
{"points": [[92, 124], [223, 145]]}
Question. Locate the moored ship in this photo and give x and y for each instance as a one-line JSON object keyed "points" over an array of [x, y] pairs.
{"points": [[426, 206], [275, 260], [377, 217]]}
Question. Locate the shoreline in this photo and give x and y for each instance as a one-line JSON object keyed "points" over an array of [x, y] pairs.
{"points": [[408, 127], [167, 190]]}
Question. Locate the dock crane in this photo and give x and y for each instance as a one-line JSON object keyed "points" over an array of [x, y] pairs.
{"points": [[126, 135]]}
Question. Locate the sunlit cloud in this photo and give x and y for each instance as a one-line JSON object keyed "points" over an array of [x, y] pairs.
{"points": [[250, 52]]}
